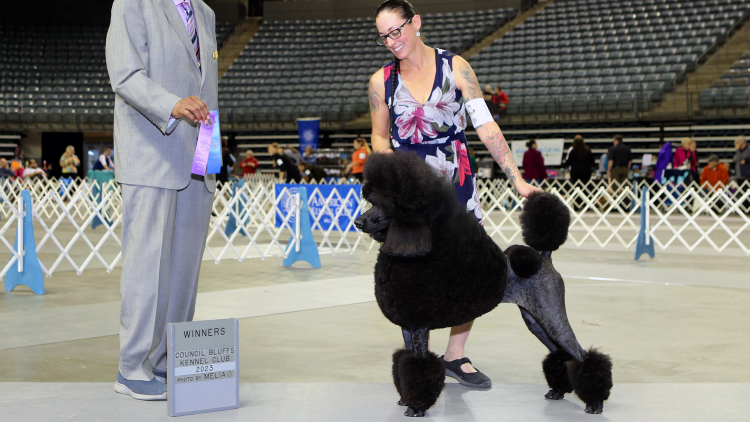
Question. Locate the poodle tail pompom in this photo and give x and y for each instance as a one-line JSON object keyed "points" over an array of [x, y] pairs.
{"points": [[544, 222], [422, 379], [592, 378]]}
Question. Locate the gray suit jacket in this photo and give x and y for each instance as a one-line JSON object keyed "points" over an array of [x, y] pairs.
{"points": [[152, 66]]}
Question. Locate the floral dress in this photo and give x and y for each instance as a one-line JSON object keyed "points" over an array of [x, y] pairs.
{"points": [[435, 129]]}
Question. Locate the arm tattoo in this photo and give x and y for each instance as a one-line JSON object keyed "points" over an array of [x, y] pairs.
{"points": [[501, 153], [374, 99], [472, 84]]}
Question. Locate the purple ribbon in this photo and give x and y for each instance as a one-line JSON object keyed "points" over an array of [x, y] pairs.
{"points": [[208, 149]]}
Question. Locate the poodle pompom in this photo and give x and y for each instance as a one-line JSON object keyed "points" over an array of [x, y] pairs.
{"points": [[556, 373], [406, 188], [422, 379], [524, 261], [591, 379], [397, 356], [544, 222]]}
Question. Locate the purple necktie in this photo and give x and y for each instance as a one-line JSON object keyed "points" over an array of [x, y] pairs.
{"points": [[192, 31]]}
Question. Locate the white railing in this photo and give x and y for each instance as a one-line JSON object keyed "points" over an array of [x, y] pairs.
{"points": [[244, 219]]}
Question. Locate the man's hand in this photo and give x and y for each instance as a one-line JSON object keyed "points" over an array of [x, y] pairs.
{"points": [[193, 108]]}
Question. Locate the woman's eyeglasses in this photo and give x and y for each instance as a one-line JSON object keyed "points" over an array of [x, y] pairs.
{"points": [[394, 35]]}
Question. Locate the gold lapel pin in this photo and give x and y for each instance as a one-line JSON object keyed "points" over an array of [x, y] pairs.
{"points": [[216, 55]]}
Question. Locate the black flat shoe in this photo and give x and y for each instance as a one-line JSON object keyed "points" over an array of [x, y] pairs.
{"points": [[472, 379]]}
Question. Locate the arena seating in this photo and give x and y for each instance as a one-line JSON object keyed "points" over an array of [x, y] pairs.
{"points": [[732, 89], [57, 73], [320, 68], [611, 55]]}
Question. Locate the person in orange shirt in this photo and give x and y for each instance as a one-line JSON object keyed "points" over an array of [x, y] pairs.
{"points": [[361, 152], [714, 173]]}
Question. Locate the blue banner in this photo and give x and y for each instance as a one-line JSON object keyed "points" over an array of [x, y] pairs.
{"points": [[308, 133], [316, 202]]}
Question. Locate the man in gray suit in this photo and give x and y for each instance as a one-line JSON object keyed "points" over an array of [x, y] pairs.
{"points": [[162, 61]]}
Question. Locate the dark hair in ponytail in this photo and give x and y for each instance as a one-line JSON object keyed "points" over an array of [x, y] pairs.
{"points": [[403, 7], [407, 11], [394, 74]]}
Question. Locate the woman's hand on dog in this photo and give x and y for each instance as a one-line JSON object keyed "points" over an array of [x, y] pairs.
{"points": [[524, 189]]}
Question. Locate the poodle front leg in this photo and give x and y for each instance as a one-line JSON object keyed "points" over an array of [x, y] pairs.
{"points": [[421, 374], [408, 346]]}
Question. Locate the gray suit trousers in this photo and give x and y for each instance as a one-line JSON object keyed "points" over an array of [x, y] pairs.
{"points": [[163, 237]]}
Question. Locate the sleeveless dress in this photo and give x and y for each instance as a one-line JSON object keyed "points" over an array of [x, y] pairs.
{"points": [[435, 130]]}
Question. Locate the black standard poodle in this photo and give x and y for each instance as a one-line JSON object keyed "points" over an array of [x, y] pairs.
{"points": [[438, 268]]}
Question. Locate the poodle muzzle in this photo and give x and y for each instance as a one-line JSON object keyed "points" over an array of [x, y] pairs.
{"points": [[374, 223]]}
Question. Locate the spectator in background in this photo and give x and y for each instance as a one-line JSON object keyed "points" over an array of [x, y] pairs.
{"points": [[33, 171], [309, 156], [69, 162], [580, 160], [500, 101], [741, 158], [487, 96], [288, 170], [227, 161], [311, 172], [714, 173], [294, 154], [533, 164], [361, 152], [620, 161], [685, 157], [694, 150], [104, 162], [663, 161], [5, 170], [249, 165]]}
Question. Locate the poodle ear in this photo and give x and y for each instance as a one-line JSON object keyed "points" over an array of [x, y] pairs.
{"points": [[407, 240]]}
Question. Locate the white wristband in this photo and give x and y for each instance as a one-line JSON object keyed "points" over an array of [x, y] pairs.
{"points": [[478, 112]]}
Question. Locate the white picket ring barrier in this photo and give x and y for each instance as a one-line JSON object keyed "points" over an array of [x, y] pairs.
{"points": [[602, 216]]}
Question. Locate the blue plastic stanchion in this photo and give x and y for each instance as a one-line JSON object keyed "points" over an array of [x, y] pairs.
{"points": [[31, 275], [645, 243], [308, 249], [102, 177], [239, 208]]}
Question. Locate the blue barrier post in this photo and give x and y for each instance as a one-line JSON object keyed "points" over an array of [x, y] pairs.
{"points": [[240, 210], [28, 271], [645, 243], [100, 177], [305, 249]]}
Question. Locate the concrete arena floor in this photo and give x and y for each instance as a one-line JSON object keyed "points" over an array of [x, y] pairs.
{"points": [[675, 326]]}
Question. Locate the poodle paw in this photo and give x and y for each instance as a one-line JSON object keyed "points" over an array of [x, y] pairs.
{"points": [[411, 412], [594, 408], [401, 402], [554, 395]]}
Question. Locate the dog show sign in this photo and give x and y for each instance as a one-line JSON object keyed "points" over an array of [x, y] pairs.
{"points": [[325, 202], [203, 367]]}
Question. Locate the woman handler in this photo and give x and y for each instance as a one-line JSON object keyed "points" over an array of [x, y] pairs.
{"points": [[419, 103]]}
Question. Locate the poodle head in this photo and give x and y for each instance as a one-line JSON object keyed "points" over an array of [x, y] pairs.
{"points": [[544, 222], [407, 196]]}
